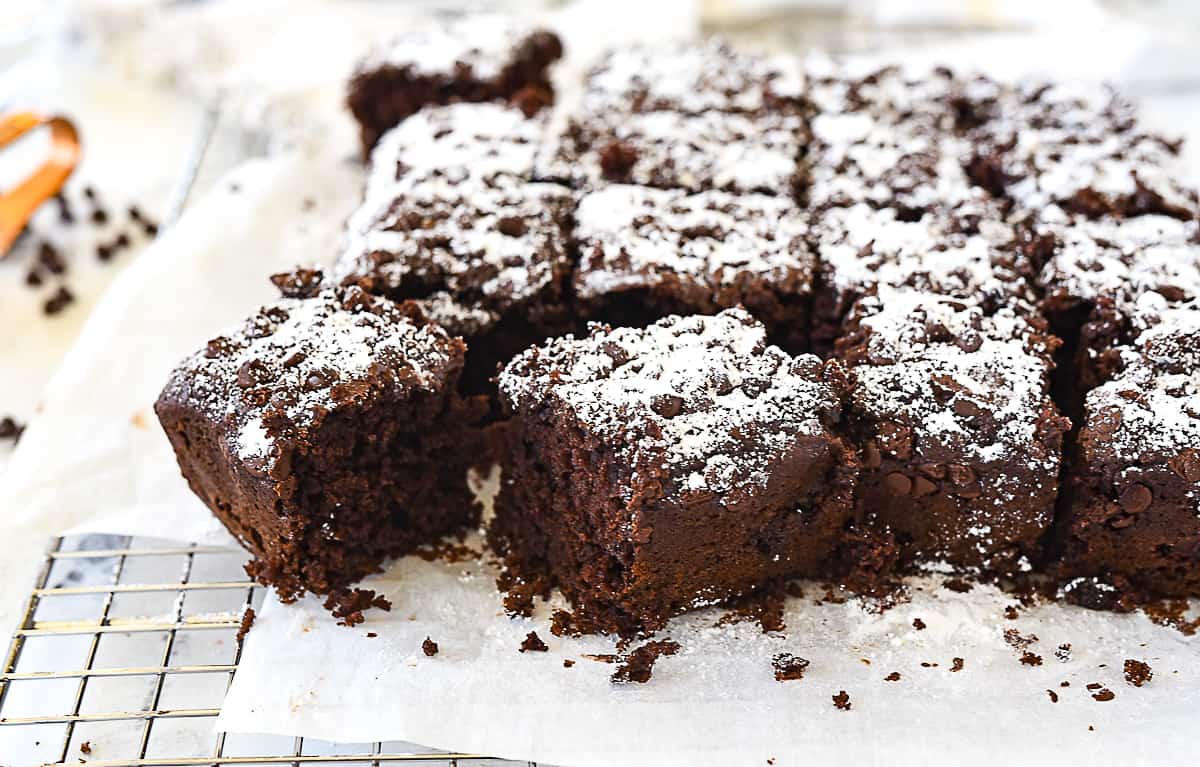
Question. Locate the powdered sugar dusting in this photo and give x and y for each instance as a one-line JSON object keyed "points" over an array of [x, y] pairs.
{"points": [[482, 42], [295, 361], [703, 398], [634, 237]]}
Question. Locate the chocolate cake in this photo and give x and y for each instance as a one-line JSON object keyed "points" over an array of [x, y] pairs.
{"points": [[488, 263], [960, 441], [1132, 512], [861, 249], [693, 78], [655, 470], [477, 58], [647, 253], [492, 144], [326, 434], [728, 152]]}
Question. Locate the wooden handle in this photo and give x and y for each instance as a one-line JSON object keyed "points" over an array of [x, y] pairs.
{"points": [[18, 205]]}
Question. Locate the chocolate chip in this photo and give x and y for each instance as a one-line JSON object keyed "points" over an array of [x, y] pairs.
{"points": [[512, 226], [217, 347], [65, 215], [135, 214], [49, 257], [294, 359], [666, 405], [318, 379], [923, 487], [872, 458], [1187, 464], [252, 373], [1136, 498], [61, 299], [33, 278], [122, 241], [960, 474], [298, 283], [899, 483], [10, 429], [895, 439], [99, 216], [104, 252], [969, 341], [617, 160]]}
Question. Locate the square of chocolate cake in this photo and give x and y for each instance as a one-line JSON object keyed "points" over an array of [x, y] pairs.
{"points": [[729, 152], [693, 78], [493, 144], [964, 254], [654, 470], [1096, 273], [961, 443], [1132, 517], [326, 433], [476, 58], [647, 253], [1080, 148], [488, 263]]}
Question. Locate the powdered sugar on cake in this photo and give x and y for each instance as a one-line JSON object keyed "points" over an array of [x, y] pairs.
{"points": [[633, 237], [482, 42], [702, 397]]}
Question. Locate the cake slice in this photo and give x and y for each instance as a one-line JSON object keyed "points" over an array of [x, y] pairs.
{"points": [[476, 58], [962, 253], [488, 263], [326, 433], [655, 470], [647, 253], [1132, 517], [961, 443]]}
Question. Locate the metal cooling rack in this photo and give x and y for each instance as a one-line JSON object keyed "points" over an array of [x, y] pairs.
{"points": [[128, 645]]}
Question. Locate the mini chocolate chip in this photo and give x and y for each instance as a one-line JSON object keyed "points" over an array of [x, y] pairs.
{"points": [[617, 160], [65, 215], [923, 487], [512, 226], [294, 359], [252, 373], [899, 483], [10, 429], [317, 379], [966, 408], [970, 342], [104, 252], [960, 474], [217, 347], [150, 229], [135, 213], [1136, 498], [99, 216], [122, 241], [667, 405], [33, 278], [48, 257], [1187, 464], [60, 300]]}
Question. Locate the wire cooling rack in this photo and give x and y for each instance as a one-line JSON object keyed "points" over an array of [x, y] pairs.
{"points": [[124, 652]]}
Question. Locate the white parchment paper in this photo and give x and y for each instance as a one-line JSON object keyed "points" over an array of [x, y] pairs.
{"points": [[96, 460]]}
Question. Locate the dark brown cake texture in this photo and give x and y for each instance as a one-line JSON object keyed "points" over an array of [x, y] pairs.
{"points": [[652, 471], [647, 253], [326, 433], [487, 263], [1132, 517], [477, 58], [961, 443]]}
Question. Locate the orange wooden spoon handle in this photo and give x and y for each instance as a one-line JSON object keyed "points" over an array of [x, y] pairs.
{"points": [[18, 205]]}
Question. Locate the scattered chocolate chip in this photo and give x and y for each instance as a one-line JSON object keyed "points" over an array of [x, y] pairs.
{"points": [[567, 663], [512, 226], [99, 216], [49, 258], [429, 647], [85, 747], [918, 624], [10, 429], [892, 677], [1053, 696], [841, 701], [60, 300]]}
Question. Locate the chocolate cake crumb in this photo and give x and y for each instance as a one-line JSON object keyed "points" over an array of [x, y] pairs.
{"points": [[617, 158], [61, 299], [298, 283], [533, 643], [789, 667], [1031, 659], [347, 605], [1063, 653], [892, 677], [918, 624], [248, 616], [764, 607], [841, 701], [928, 664], [1018, 641], [1104, 695], [429, 647], [85, 747], [1053, 696], [1137, 672], [639, 664], [956, 664], [371, 635], [568, 663], [1094, 685], [1173, 614], [1064, 684], [1011, 613]]}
